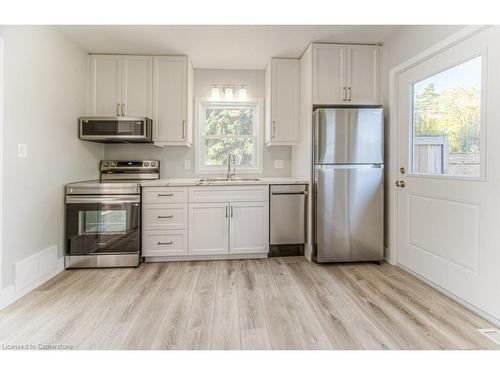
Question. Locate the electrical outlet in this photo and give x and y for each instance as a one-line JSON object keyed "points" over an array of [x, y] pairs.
{"points": [[22, 150], [278, 164], [187, 164]]}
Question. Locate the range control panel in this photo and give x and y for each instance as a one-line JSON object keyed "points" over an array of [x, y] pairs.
{"points": [[127, 165]]}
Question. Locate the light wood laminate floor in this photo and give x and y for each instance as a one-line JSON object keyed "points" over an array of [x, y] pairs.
{"points": [[277, 303]]}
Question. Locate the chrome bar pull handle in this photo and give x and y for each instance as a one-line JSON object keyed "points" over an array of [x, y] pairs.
{"points": [[232, 211], [226, 211], [123, 109], [274, 129], [350, 93], [118, 109], [165, 243], [183, 129], [344, 97], [165, 217], [166, 195]]}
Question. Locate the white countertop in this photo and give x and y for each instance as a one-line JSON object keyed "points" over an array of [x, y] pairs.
{"points": [[196, 182]]}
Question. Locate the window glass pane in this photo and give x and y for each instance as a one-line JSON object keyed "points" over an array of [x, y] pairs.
{"points": [[446, 121], [217, 150], [229, 121]]}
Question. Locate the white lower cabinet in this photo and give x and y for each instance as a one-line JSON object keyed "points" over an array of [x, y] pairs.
{"points": [[249, 227], [208, 228], [209, 221], [165, 243]]}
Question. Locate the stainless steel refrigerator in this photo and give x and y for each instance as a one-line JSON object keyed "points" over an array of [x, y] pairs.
{"points": [[348, 194]]}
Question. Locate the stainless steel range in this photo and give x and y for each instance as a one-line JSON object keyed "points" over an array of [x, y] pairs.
{"points": [[103, 217]]}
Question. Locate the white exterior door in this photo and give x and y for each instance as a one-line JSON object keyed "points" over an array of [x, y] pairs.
{"points": [[449, 207], [105, 85], [362, 74], [137, 92], [249, 227], [208, 228], [329, 74], [170, 99]]}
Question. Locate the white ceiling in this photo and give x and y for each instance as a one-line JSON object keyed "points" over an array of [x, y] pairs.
{"points": [[223, 47]]}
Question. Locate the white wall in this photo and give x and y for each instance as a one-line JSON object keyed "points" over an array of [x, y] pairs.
{"points": [[44, 93], [172, 158]]}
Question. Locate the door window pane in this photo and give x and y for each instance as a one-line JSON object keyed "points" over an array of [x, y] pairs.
{"points": [[446, 122]]}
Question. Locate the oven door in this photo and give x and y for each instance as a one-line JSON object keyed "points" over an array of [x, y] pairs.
{"points": [[102, 224]]}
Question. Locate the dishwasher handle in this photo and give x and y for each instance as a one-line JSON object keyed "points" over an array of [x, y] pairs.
{"points": [[291, 193]]}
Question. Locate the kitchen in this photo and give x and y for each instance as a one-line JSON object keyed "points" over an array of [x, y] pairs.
{"points": [[183, 199]]}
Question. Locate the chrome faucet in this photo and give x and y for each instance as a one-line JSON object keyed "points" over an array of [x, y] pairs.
{"points": [[230, 159]]}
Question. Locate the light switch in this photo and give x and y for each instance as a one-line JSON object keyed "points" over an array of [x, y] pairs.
{"points": [[278, 164], [187, 164], [22, 150]]}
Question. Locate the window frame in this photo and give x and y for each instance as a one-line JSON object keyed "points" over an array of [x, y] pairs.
{"points": [[201, 104]]}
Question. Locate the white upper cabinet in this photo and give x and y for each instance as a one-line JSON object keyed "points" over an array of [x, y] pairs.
{"points": [[106, 75], [282, 102], [329, 73], [137, 87], [363, 74], [172, 100], [121, 85], [345, 74]]}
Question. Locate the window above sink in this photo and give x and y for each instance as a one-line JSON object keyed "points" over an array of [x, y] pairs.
{"points": [[228, 128]]}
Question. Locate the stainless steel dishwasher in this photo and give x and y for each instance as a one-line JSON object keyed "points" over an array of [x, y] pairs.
{"points": [[288, 219]]}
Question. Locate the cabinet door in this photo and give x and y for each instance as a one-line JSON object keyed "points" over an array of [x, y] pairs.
{"points": [[285, 80], [249, 227], [329, 74], [208, 228], [170, 99], [363, 74], [105, 85], [137, 91]]}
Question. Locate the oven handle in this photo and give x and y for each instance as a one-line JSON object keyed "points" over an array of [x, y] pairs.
{"points": [[117, 199]]}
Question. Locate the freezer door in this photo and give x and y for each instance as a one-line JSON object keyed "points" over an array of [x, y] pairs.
{"points": [[348, 136], [349, 213]]}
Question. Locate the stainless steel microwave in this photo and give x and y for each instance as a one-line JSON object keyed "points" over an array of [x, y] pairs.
{"points": [[116, 129]]}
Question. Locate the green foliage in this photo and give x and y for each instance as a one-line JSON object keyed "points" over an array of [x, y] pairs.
{"points": [[229, 131], [454, 112]]}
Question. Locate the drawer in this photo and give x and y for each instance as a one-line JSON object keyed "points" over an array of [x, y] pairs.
{"points": [[164, 216], [165, 243], [165, 195], [208, 194]]}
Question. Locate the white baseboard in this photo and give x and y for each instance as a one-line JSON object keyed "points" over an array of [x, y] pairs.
{"points": [[204, 257], [30, 273], [455, 298]]}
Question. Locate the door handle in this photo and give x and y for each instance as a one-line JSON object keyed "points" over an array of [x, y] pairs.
{"points": [[166, 217], [400, 184], [183, 129], [350, 93], [232, 211], [226, 211], [274, 129], [344, 97], [123, 109], [166, 195], [118, 109], [166, 243]]}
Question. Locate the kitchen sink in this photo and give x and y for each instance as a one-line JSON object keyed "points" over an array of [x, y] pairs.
{"points": [[233, 179]]}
